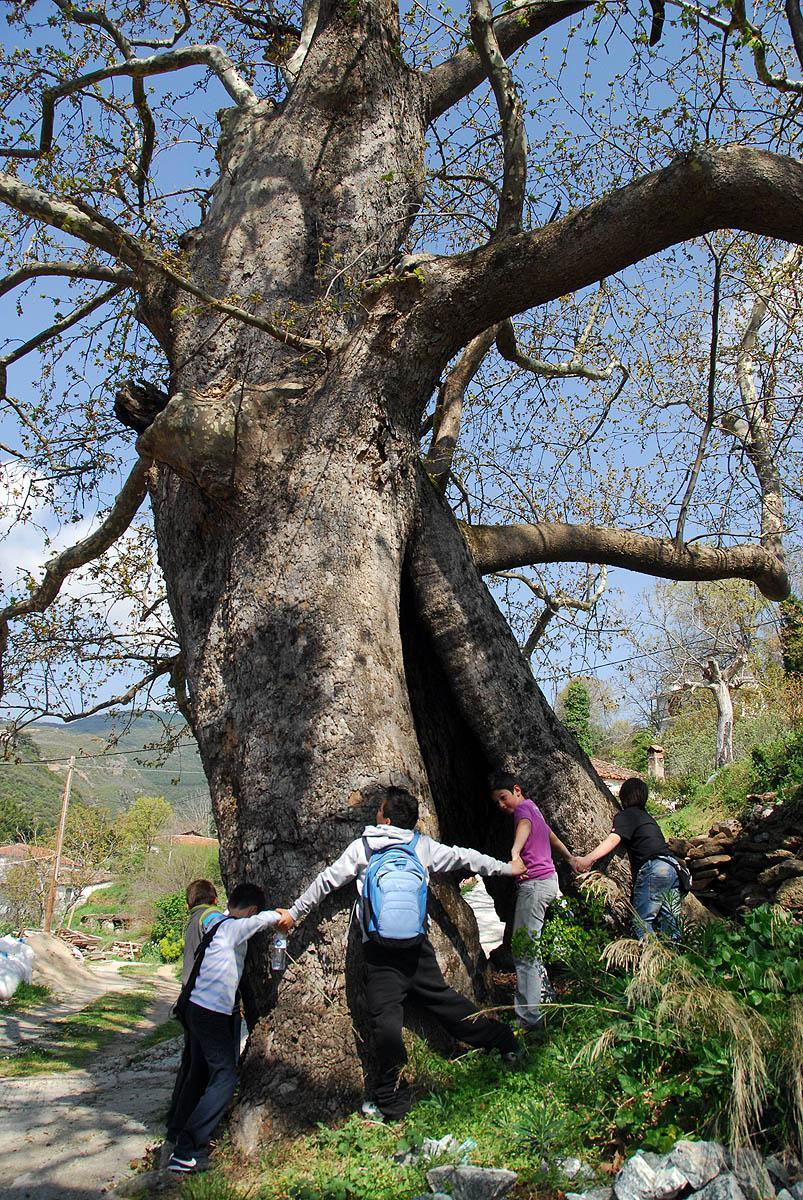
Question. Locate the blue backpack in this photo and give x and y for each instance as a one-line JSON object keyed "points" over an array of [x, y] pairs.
{"points": [[394, 895]]}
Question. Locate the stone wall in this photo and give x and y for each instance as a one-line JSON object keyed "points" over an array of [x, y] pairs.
{"points": [[740, 864]]}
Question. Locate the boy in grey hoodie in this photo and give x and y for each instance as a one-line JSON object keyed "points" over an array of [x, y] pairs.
{"points": [[394, 974]]}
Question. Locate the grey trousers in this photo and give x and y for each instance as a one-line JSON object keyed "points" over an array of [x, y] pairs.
{"points": [[533, 899]]}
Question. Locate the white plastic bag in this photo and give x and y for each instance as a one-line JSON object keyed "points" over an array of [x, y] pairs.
{"points": [[18, 949], [12, 973]]}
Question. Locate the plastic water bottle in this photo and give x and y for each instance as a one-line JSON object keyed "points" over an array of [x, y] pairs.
{"points": [[278, 953]]}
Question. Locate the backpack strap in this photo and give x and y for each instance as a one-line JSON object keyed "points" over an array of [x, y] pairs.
{"points": [[180, 1007]]}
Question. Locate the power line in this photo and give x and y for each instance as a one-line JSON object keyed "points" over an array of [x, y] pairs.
{"points": [[51, 762]]}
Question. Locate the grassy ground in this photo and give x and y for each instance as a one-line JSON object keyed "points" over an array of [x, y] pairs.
{"points": [[78, 1038], [27, 995], [526, 1120]]}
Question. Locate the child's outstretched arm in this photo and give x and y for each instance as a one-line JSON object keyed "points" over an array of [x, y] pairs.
{"points": [[454, 858], [342, 871]]}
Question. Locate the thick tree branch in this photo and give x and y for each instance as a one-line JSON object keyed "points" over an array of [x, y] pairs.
{"points": [[309, 24], [795, 19], [69, 270], [449, 409], [459, 75], [753, 427], [498, 548], [706, 189], [514, 138]]}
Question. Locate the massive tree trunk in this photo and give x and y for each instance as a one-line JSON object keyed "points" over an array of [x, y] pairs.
{"points": [[335, 631]]}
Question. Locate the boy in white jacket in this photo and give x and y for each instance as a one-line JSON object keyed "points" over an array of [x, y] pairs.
{"points": [[212, 1028], [392, 974]]}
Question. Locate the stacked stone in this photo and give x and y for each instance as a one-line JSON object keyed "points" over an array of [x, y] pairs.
{"points": [[738, 865], [704, 1171], [690, 1171]]}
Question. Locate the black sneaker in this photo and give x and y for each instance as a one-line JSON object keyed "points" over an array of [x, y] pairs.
{"points": [[514, 1058], [186, 1165]]}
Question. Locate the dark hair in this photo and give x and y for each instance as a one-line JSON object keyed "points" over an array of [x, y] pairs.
{"points": [[201, 891], [400, 807], [503, 781], [633, 794], [247, 895]]}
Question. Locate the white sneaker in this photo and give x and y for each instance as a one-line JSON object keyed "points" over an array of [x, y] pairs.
{"points": [[370, 1111]]}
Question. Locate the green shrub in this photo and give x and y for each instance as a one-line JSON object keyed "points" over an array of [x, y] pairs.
{"points": [[573, 935], [778, 766], [710, 1037], [168, 929]]}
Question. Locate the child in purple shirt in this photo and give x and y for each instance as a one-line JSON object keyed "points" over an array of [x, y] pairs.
{"points": [[533, 842]]}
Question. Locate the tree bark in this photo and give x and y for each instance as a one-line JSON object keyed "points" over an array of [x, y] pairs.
{"points": [[335, 631]]}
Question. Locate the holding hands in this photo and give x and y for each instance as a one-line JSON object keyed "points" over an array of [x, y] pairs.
{"points": [[286, 922], [518, 866], [581, 863]]}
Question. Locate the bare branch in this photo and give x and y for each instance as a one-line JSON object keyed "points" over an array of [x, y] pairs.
{"points": [[554, 602], [574, 367], [58, 568], [162, 667], [449, 409], [514, 138], [452, 80], [496, 548], [70, 270], [753, 38], [55, 330], [138, 68]]}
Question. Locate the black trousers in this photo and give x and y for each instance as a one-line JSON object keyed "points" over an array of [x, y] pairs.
{"points": [[200, 1074], [391, 976], [201, 1080], [210, 1081]]}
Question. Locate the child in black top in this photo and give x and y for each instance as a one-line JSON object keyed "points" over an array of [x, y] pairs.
{"points": [[656, 880]]}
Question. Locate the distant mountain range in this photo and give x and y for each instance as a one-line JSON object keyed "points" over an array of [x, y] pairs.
{"points": [[116, 761]]}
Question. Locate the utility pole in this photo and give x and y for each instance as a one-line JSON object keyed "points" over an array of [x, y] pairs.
{"points": [[51, 895]]}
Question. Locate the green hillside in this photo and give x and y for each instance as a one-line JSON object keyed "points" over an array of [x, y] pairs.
{"points": [[30, 794], [115, 763]]}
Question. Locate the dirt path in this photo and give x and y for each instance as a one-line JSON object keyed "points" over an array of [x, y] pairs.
{"points": [[71, 1136]]}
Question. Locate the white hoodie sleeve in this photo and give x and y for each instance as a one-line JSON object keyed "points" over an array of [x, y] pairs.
{"points": [[242, 928], [455, 858], [342, 871]]}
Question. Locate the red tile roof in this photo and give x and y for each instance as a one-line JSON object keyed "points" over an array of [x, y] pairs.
{"points": [[608, 770]]}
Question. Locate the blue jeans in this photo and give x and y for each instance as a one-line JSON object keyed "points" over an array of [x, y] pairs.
{"points": [[656, 899]]}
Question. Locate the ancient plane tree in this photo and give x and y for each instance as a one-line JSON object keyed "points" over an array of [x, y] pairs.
{"points": [[304, 308]]}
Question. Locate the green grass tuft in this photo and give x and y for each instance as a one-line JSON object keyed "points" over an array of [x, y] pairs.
{"points": [[27, 995]]}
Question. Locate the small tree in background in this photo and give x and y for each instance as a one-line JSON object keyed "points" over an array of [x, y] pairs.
{"points": [[144, 821], [791, 635], [575, 709]]}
